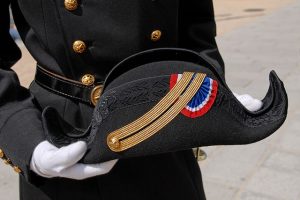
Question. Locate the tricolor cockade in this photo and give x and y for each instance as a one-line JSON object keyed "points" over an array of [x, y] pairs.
{"points": [[203, 99]]}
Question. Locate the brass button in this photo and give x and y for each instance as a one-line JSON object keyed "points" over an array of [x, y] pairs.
{"points": [[17, 169], [95, 94], [71, 5], [2, 155], [79, 46], [88, 79], [114, 142], [156, 35], [7, 161]]}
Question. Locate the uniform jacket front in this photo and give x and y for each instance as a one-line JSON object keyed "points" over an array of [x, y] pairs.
{"points": [[73, 38]]}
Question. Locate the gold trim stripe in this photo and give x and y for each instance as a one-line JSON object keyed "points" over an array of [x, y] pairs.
{"points": [[120, 142], [157, 110]]}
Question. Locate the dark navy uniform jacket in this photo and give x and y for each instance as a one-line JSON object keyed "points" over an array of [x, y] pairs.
{"points": [[77, 37]]}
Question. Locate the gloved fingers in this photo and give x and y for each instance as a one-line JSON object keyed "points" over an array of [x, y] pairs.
{"points": [[249, 102], [83, 171], [49, 159], [39, 170], [255, 105], [45, 148], [66, 156]]}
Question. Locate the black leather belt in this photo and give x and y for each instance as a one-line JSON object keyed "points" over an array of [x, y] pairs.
{"points": [[68, 87]]}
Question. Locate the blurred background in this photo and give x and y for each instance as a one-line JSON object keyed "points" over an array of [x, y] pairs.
{"points": [[254, 37]]}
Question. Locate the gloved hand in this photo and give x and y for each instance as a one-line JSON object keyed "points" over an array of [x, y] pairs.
{"points": [[249, 102], [49, 161]]}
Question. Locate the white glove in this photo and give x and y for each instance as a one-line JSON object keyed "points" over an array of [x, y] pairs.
{"points": [[249, 102], [49, 161]]}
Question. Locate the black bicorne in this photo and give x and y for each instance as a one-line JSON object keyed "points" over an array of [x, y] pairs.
{"points": [[165, 100]]}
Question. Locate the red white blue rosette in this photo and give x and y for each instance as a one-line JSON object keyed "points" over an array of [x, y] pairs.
{"points": [[203, 99]]}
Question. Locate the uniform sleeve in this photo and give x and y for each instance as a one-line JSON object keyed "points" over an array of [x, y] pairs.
{"points": [[20, 120], [197, 30]]}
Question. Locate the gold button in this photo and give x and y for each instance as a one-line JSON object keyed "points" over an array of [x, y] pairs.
{"points": [[88, 79], [71, 4], [114, 142], [95, 94], [156, 35], [17, 169], [2, 155], [79, 46]]}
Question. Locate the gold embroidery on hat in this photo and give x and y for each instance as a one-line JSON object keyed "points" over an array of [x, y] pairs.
{"points": [[159, 116]]}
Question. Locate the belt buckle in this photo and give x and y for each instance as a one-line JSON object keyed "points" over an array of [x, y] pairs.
{"points": [[96, 93]]}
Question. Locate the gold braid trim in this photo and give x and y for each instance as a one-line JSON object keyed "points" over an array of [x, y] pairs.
{"points": [[131, 134]]}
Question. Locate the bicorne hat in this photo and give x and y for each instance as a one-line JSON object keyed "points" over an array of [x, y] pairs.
{"points": [[165, 100]]}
